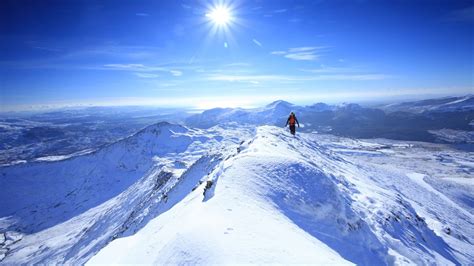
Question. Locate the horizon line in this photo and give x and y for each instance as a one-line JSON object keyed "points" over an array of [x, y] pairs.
{"points": [[48, 107]]}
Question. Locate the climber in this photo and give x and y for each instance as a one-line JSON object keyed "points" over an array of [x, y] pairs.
{"points": [[292, 121]]}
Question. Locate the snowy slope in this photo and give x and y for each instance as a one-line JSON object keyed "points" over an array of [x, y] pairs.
{"points": [[454, 136], [446, 104], [65, 211], [313, 199], [25, 137]]}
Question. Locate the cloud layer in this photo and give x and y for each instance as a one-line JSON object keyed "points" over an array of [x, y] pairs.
{"points": [[305, 53]]}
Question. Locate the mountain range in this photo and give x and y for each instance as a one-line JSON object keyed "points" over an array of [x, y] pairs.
{"points": [[416, 121], [233, 186]]}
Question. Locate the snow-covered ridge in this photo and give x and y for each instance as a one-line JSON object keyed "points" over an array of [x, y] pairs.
{"points": [[173, 195], [446, 104], [313, 199], [154, 128], [88, 200]]}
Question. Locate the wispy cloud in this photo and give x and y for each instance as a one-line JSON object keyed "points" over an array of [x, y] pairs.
{"points": [[143, 71], [305, 49], [278, 53], [41, 45], [332, 70], [345, 73], [142, 14], [354, 77], [283, 10], [295, 78], [146, 75], [134, 67], [306, 53], [166, 85], [66, 62], [237, 64], [247, 78], [114, 51], [257, 42], [304, 56], [176, 73]]}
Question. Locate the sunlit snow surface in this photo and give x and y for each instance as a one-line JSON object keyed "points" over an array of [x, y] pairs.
{"points": [[274, 199]]}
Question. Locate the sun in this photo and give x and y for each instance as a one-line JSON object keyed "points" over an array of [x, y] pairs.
{"points": [[222, 18], [220, 15]]}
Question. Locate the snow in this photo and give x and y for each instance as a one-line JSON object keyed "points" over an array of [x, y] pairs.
{"points": [[273, 113], [419, 179], [68, 209], [283, 199], [62, 157], [236, 194], [454, 136], [446, 104], [233, 224]]}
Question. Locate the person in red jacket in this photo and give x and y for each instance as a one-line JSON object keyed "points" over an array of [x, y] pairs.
{"points": [[292, 121]]}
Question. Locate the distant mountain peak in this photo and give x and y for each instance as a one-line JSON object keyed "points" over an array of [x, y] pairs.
{"points": [[279, 103], [350, 106], [319, 107], [444, 104], [159, 127]]}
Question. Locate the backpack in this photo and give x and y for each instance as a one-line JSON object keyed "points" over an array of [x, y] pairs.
{"points": [[292, 120]]}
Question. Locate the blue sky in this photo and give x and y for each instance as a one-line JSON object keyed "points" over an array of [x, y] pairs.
{"points": [[169, 53]]}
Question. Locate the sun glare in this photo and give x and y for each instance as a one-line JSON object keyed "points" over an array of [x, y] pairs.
{"points": [[220, 15]]}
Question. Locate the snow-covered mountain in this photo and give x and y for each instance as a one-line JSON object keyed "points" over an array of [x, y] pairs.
{"points": [[446, 104], [68, 133], [26, 137], [64, 211], [273, 113], [406, 121], [235, 194]]}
